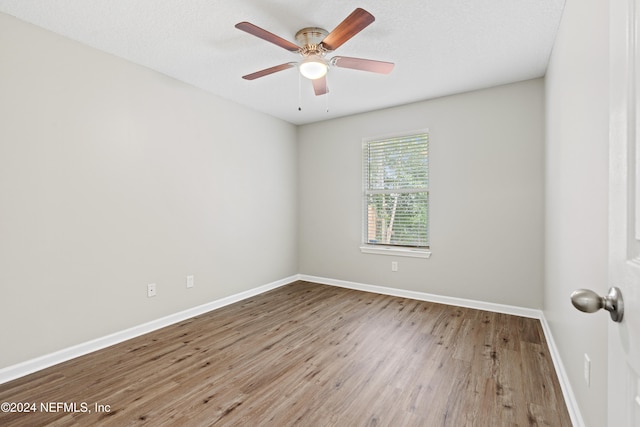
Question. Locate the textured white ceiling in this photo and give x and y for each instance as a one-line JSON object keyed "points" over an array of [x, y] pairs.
{"points": [[440, 47]]}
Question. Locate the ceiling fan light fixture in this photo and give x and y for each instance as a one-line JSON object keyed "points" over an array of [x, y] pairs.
{"points": [[313, 67]]}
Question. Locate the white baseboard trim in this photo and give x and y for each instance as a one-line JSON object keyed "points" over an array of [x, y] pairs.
{"points": [[567, 390], [30, 366], [422, 296], [563, 379]]}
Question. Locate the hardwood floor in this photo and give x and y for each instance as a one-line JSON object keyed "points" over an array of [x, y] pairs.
{"points": [[309, 355]]}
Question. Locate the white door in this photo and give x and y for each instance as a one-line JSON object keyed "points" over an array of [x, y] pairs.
{"points": [[624, 211]]}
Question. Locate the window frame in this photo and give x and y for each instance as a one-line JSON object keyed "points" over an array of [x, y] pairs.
{"points": [[382, 249]]}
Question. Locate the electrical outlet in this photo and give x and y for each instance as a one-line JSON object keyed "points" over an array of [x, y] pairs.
{"points": [[151, 290], [587, 370], [394, 265], [190, 282]]}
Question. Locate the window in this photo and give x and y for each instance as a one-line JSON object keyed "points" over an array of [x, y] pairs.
{"points": [[396, 195]]}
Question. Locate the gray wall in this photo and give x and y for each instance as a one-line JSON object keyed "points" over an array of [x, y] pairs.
{"points": [[112, 177], [577, 195], [486, 177]]}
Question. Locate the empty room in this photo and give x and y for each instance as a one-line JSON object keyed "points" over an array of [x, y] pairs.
{"points": [[319, 214]]}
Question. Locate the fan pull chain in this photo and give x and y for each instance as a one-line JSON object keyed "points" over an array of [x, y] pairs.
{"points": [[299, 92], [327, 97], [326, 103]]}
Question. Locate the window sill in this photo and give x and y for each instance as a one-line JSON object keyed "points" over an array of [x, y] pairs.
{"points": [[387, 250]]}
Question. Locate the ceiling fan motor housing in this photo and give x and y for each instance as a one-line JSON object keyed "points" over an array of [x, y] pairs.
{"points": [[309, 38]]}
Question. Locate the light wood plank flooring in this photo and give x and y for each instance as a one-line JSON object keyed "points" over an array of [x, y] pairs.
{"points": [[310, 355]]}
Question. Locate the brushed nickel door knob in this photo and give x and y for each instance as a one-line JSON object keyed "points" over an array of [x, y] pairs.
{"points": [[588, 301]]}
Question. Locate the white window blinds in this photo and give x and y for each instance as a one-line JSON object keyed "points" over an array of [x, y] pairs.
{"points": [[396, 191]]}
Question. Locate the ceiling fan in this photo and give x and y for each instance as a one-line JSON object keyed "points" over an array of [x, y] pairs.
{"points": [[316, 43]]}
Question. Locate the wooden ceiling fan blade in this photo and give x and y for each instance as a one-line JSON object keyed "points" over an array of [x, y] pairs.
{"points": [[370, 65], [320, 86], [268, 71], [254, 30], [352, 25]]}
